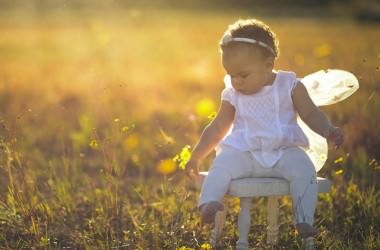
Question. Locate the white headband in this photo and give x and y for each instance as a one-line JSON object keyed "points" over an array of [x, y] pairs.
{"points": [[227, 38]]}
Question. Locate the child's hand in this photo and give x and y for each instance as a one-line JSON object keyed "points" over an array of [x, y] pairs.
{"points": [[336, 136], [192, 168]]}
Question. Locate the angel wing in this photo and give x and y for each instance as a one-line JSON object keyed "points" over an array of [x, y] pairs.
{"points": [[325, 87]]}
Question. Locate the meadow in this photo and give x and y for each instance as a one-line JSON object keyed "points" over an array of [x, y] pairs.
{"points": [[94, 106]]}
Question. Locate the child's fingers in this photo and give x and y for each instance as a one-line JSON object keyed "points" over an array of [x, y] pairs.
{"points": [[191, 172], [188, 173], [337, 137], [338, 141], [192, 176]]}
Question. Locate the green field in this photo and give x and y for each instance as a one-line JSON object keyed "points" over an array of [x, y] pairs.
{"points": [[95, 104]]}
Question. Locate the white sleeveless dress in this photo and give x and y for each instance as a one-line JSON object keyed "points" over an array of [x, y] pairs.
{"points": [[266, 122]]}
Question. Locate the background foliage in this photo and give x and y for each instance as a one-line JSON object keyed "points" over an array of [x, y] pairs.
{"points": [[97, 99]]}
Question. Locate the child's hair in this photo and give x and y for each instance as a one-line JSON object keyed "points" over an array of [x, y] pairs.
{"points": [[257, 30]]}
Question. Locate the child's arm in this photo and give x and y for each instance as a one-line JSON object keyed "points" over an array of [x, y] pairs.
{"points": [[212, 134], [314, 117]]}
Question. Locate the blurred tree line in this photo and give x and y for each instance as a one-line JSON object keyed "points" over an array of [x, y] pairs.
{"points": [[48, 4], [362, 10]]}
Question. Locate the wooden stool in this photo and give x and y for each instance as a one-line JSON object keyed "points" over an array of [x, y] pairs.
{"points": [[246, 189]]}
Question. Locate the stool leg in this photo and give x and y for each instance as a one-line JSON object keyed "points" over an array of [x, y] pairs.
{"points": [[220, 218], [244, 223], [273, 213], [308, 243]]}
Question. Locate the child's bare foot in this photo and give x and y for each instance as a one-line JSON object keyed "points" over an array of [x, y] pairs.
{"points": [[209, 210], [305, 230]]}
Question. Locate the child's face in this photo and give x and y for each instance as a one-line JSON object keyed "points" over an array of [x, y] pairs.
{"points": [[249, 71]]}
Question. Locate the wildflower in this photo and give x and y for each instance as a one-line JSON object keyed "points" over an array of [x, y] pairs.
{"points": [[323, 50], [339, 160], [94, 144], [338, 172], [131, 142], [185, 248], [183, 157], [212, 115], [205, 107], [206, 246], [128, 128], [166, 166]]}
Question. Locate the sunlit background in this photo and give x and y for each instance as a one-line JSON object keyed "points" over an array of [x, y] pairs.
{"points": [[99, 98]]}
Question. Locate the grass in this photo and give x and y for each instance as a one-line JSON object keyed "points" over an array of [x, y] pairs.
{"points": [[94, 105]]}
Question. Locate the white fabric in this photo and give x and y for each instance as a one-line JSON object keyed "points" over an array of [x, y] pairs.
{"points": [[330, 86], [294, 166], [265, 123], [325, 88]]}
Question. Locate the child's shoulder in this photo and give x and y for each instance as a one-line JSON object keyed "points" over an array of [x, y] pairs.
{"points": [[286, 74], [287, 79]]}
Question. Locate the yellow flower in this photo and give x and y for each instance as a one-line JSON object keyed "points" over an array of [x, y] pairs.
{"points": [[339, 160], [212, 115], [206, 246], [205, 107], [183, 157], [94, 144], [322, 50], [131, 142], [185, 248], [166, 166], [339, 172]]}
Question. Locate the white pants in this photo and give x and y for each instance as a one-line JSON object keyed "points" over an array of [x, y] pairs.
{"points": [[294, 166]]}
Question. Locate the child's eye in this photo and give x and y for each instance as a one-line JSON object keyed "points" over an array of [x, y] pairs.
{"points": [[244, 75]]}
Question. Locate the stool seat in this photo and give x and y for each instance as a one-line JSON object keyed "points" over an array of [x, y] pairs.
{"points": [[257, 186]]}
